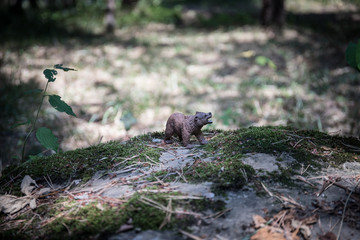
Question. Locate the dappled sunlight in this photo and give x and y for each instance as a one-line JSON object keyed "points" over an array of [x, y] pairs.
{"points": [[162, 71]]}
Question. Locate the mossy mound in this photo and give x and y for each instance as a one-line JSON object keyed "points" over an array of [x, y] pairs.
{"points": [[306, 146], [220, 161], [83, 163], [309, 148]]}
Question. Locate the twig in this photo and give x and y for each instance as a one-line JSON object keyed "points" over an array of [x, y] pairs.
{"points": [[151, 159], [302, 171], [298, 142], [267, 190], [281, 141], [301, 178], [192, 236], [157, 205], [125, 160], [26, 225], [49, 182], [181, 175], [219, 214], [67, 228], [56, 217], [167, 218], [12, 179], [353, 148], [154, 146], [282, 198], [343, 215], [329, 181]]}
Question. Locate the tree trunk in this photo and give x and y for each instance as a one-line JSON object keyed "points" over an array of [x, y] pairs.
{"points": [[273, 13], [110, 19]]}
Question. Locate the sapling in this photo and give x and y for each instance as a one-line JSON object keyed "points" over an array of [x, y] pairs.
{"points": [[44, 135]]}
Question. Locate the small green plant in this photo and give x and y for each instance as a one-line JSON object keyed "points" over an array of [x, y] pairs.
{"points": [[352, 55], [43, 134], [263, 61]]}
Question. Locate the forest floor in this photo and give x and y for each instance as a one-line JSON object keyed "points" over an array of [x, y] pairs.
{"points": [[269, 183]]}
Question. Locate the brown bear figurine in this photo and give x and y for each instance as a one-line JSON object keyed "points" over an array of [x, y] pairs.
{"points": [[185, 126]]}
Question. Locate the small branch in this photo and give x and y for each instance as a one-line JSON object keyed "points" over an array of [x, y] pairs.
{"points": [[189, 235], [343, 215]]}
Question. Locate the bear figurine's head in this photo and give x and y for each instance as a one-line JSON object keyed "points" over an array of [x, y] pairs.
{"points": [[202, 119]]}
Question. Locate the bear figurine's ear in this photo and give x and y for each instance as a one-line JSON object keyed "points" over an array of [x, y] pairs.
{"points": [[197, 113]]}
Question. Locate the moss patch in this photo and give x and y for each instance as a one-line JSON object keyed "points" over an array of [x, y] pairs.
{"points": [[71, 219], [83, 163], [224, 173], [90, 220], [308, 147]]}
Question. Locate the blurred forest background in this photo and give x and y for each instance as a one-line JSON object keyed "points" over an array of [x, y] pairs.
{"points": [[250, 63]]}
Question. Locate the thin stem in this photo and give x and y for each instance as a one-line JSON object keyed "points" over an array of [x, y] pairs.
{"points": [[33, 125], [343, 215]]}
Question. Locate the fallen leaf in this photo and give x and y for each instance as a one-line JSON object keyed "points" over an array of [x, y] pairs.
{"points": [[28, 185], [304, 229], [259, 221], [267, 233]]}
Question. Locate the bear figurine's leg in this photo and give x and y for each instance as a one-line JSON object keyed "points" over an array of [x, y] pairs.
{"points": [[168, 134], [186, 140], [201, 138]]}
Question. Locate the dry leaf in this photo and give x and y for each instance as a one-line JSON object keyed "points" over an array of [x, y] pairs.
{"points": [[267, 233], [304, 229], [259, 221]]}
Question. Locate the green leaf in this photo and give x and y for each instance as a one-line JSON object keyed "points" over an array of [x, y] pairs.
{"points": [[261, 60], [271, 64], [350, 55], [50, 74], [21, 123], [66, 69], [60, 105], [47, 138], [357, 57]]}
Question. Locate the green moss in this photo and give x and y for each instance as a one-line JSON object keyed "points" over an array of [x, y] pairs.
{"points": [[247, 140], [225, 173], [93, 219], [83, 163], [143, 215], [102, 219], [306, 146], [281, 176]]}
